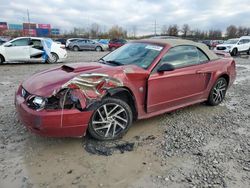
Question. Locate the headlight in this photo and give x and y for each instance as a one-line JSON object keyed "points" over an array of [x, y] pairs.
{"points": [[39, 102], [23, 92]]}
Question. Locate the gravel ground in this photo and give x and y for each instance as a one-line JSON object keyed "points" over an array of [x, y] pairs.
{"points": [[198, 146]]}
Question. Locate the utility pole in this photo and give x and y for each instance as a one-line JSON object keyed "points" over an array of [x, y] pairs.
{"points": [[28, 14], [155, 27]]}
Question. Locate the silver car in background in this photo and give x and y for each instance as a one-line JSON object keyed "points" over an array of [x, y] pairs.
{"points": [[86, 44]]}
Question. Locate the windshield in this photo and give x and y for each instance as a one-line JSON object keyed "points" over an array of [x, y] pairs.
{"points": [[140, 54], [231, 41]]}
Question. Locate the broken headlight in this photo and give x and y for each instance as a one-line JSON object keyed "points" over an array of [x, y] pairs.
{"points": [[36, 102], [66, 99]]}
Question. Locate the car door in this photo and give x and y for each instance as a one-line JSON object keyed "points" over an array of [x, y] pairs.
{"points": [[89, 44], [241, 45], [185, 84], [81, 44], [36, 49], [247, 43], [18, 50]]}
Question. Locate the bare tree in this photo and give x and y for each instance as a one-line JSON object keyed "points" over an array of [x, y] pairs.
{"points": [[134, 30], [185, 30], [173, 30], [215, 34], [164, 30], [94, 30], [117, 32], [231, 31]]}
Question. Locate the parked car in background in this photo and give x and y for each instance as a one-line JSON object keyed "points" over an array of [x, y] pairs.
{"points": [[62, 41], [2, 41], [32, 49], [116, 43], [86, 44], [208, 43], [235, 46], [139, 80], [105, 43], [68, 41], [214, 43]]}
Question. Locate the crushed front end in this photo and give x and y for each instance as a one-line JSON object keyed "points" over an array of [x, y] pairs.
{"points": [[68, 110]]}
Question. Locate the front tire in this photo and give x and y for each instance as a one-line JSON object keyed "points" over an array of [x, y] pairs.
{"points": [[98, 48], [111, 119], [234, 52], [218, 92], [53, 58]]}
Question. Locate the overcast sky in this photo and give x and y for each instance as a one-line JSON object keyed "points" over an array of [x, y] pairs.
{"points": [[216, 14]]}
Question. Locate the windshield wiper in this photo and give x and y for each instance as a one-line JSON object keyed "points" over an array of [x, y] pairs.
{"points": [[114, 62], [109, 62], [102, 61]]}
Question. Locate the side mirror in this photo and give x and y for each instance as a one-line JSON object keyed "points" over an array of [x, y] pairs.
{"points": [[8, 44], [166, 67]]}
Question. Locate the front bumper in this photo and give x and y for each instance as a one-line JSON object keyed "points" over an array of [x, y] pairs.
{"points": [[227, 50], [53, 123]]}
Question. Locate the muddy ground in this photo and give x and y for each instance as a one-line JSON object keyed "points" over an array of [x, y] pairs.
{"points": [[199, 146]]}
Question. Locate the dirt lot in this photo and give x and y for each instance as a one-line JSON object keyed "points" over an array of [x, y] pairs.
{"points": [[199, 146]]}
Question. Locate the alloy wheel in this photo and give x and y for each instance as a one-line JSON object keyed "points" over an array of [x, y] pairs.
{"points": [[52, 58], [219, 91], [109, 120]]}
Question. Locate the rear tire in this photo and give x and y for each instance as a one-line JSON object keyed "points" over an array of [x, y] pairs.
{"points": [[234, 52], [1, 59], [111, 119], [75, 48], [53, 59], [218, 92]]}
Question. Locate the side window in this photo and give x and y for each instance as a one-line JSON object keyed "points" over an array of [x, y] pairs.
{"points": [[82, 41], [21, 42], [36, 43], [247, 40], [242, 41], [202, 56], [181, 56]]}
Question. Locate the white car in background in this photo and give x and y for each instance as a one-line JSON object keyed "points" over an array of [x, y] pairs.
{"points": [[32, 49], [235, 46]]}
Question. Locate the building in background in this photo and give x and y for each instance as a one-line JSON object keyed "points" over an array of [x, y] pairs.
{"points": [[15, 27], [55, 31], [43, 30], [28, 29], [3, 27]]}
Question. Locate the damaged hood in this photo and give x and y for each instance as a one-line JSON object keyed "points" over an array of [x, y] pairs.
{"points": [[45, 83]]}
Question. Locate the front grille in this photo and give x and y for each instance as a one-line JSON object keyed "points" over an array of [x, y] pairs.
{"points": [[220, 48]]}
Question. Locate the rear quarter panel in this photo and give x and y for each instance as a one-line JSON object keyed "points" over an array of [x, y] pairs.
{"points": [[218, 68]]}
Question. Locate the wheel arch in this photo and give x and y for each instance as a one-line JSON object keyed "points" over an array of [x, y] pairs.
{"points": [[226, 76], [99, 47], [127, 96]]}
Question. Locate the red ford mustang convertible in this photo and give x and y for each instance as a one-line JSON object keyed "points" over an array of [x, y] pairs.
{"points": [[141, 79]]}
